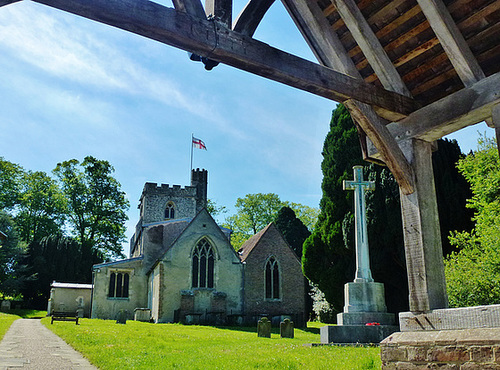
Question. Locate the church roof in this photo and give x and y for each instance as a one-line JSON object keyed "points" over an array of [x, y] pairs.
{"points": [[250, 244]]}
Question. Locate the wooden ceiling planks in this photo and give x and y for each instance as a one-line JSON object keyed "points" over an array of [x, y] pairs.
{"points": [[413, 47]]}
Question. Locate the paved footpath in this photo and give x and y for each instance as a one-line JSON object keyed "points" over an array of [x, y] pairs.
{"points": [[29, 344]]}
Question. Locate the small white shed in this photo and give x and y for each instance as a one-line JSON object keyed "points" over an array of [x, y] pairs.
{"points": [[70, 297]]}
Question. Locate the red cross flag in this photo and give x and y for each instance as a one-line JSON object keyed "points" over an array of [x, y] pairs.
{"points": [[197, 143]]}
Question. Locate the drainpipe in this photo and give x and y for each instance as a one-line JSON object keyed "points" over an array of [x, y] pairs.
{"points": [[243, 288], [92, 293]]}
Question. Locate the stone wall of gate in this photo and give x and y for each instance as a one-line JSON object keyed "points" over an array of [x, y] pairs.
{"points": [[468, 349]]}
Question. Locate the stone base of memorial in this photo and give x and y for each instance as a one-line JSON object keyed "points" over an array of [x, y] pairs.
{"points": [[455, 338], [365, 318]]}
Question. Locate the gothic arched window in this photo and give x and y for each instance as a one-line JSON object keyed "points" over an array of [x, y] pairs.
{"points": [[170, 211], [272, 276], [203, 265], [118, 285]]}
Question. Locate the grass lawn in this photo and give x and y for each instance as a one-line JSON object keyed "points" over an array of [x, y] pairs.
{"points": [[137, 345]]}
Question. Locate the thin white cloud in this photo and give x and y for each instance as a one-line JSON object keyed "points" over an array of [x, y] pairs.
{"points": [[67, 50]]}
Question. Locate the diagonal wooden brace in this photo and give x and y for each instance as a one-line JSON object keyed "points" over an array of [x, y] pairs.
{"points": [[389, 149]]}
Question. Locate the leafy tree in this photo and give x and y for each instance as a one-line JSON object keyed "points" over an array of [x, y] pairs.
{"points": [[256, 211], [11, 254], [10, 174], [214, 209], [41, 207], [473, 272], [96, 204], [57, 258], [307, 215], [293, 229]]}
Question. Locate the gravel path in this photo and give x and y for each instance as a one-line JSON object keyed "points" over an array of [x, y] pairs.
{"points": [[29, 344]]}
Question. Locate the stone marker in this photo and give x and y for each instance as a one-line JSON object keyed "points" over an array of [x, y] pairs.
{"points": [[364, 299], [121, 317], [286, 329], [142, 314], [264, 328], [5, 307]]}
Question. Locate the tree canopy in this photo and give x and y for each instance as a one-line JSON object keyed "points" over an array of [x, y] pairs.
{"points": [[473, 271], [81, 212], [96, 204], [256, 211]]}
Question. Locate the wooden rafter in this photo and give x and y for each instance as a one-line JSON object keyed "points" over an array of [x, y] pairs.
{"points": [[452, 41], [370, 45], [221, 10], [464, 108], [251, 15], [216, 42], [192, 7], [7, 2], [329, 50]]}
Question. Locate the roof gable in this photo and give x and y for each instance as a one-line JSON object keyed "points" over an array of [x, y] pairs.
{"points": [[270, 231]]}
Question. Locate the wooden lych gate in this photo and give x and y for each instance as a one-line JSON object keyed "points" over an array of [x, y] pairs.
{"points": [[409, 71]]}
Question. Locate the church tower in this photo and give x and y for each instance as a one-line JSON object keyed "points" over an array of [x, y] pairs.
{"points": [[162, 202]]}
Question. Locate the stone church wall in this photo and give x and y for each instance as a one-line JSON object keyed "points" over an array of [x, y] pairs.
{"points": [[177, 277], [292, 300], [104, 307]]}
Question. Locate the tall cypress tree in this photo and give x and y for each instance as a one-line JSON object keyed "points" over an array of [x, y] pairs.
{"points": [[328, 258]]}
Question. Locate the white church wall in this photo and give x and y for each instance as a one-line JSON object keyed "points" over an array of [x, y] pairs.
{"points": [[106, 307]]}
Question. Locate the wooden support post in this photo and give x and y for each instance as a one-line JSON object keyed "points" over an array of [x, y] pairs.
{"points": [[495, 124], [422, 237]]}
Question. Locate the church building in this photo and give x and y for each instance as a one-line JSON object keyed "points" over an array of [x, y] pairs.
{"points": [[182, 267]]}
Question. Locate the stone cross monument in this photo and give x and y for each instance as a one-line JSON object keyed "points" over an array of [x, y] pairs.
{"points": [[365, 318], [363, 272]]}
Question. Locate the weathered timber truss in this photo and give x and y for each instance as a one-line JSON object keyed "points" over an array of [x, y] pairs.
{"points": [[409, 71]]}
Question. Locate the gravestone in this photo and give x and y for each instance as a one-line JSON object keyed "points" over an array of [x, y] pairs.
{"points": [[142, 314], [264, 328], [286, 329], [121, 317], [365, 318], [5, 307]]}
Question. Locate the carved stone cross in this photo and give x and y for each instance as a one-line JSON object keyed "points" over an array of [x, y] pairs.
{"points": [[363, 272]]}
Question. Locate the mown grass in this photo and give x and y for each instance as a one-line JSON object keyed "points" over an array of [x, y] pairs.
{"points": [[138, 345]]}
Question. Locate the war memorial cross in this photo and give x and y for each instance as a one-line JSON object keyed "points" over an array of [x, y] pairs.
{"points": [[363, 272]]}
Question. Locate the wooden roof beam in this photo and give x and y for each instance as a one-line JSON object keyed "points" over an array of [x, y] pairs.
{"points": [[329, 50], [251, 16], [7, 2], [370, 46], [461, 109], [452, 41], [214, 41]]}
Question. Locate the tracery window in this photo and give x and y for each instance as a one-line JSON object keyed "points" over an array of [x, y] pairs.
{"points": [[118, 285], [272, 276], [203, 265], [170, 211]]}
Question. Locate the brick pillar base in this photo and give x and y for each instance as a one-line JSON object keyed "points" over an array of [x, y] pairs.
{"points": [[444, 349]]}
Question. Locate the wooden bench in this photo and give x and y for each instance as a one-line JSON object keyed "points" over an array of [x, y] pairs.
{"points": [[64, 316]]}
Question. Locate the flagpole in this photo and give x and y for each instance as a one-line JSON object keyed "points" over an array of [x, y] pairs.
{"points": [[191, 171]]}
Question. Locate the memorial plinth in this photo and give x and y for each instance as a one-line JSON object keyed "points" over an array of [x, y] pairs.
{"points": [[365, 318]]}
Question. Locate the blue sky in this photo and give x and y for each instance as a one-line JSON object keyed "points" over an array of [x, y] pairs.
{"points": [[71, 87]]}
